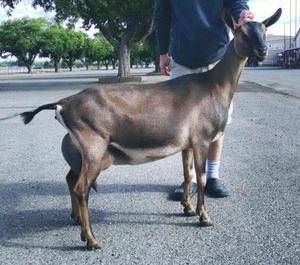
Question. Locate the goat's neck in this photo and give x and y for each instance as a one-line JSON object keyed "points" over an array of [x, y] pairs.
{"points": [[227, 72]]}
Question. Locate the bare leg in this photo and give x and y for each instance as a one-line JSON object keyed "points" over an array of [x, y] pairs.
{"points": [[187, 161], [199, 159], [215, 149]]}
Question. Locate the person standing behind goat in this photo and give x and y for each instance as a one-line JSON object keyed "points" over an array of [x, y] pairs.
{"points": [[199, 40]]}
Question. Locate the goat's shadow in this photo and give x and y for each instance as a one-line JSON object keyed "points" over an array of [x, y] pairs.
{"points": [[12, 193], [19, 223]]}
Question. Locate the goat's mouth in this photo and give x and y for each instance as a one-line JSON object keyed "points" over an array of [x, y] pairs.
{"points": [[259, 55]]}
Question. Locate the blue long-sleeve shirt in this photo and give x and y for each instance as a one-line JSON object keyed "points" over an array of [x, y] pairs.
{"points": [[199, 35]]}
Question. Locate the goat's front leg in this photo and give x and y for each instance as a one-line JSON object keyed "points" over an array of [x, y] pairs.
{"points": [[187, 162], [200, 155]]}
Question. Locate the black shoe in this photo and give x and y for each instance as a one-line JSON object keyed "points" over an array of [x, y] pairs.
{"points": [[178, 192], [215, 188]]}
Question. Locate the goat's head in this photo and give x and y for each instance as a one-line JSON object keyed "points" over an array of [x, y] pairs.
{"points": [[249, 38]]}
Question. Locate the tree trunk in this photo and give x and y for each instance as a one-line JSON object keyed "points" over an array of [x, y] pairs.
{"points": [[70, 65], [87, 67], [124, 60], [113, 64], [98, 65], [56, 61], [29, 68], [70, 62]]}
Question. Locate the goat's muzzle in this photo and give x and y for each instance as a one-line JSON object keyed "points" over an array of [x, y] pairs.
{"points": [[260, 53]]}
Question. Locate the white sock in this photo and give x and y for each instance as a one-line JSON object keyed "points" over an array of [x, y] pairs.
{"points": [[212, 169], [194, 179]]}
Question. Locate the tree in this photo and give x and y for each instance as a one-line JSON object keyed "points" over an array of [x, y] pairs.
{"points": [[23, 39], [146, 53], [88, 53], [73, 46], [53, 44], [124, 23], [142, 54], [104, 51]]}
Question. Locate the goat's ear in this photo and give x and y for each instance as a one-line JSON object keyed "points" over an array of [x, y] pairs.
{"points": [[273, 19], [229, 20]]}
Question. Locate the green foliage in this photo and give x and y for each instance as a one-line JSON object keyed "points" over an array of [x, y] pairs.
{"points": [[53, 44], [104, 51], [143, 54], [26, 38], [124, 23], [73, 46], [97, 50], [5, 64], [22, 38], [116, 19]]}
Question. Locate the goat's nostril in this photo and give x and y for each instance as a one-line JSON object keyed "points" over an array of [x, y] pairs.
{"points": [[263, 50]]}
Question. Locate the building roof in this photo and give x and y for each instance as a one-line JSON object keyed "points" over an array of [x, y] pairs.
{"points": [[298, 32]]}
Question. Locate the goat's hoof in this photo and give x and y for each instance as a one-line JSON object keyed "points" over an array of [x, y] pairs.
{"points": [[206, 223], [189, 212], [92, 247], [83, 236]]}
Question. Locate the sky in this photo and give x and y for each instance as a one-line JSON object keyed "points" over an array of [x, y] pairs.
{"points": [[261, 8]]}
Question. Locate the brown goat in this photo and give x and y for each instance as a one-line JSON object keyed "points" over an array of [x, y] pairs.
{"points": [[139, 124]]}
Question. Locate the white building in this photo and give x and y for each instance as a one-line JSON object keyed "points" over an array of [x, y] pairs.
{"points": [[277, 44]]}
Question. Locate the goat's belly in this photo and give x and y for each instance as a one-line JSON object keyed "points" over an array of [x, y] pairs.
{"points": [[135, 156]]}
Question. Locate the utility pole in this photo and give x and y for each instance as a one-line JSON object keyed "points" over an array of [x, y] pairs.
{"points": [[284, 37], [296, 29], [290, 24]]}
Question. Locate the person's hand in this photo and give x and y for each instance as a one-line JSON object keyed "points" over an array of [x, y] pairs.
{"points": [[245, 16], [164, 62]]}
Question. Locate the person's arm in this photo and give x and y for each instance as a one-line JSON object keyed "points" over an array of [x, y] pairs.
{"points": [[239, 10], [162, 17]]}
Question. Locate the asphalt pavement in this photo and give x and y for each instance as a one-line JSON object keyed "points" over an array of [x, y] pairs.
{"points": [[131, 214]]}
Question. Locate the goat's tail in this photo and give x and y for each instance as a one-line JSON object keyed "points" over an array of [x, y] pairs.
{"points": [[29, 115]]}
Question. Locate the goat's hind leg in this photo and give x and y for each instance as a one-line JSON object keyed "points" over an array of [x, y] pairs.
{"points": [[187, 161], [93, 149], [73, 158], [71, 179]]}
